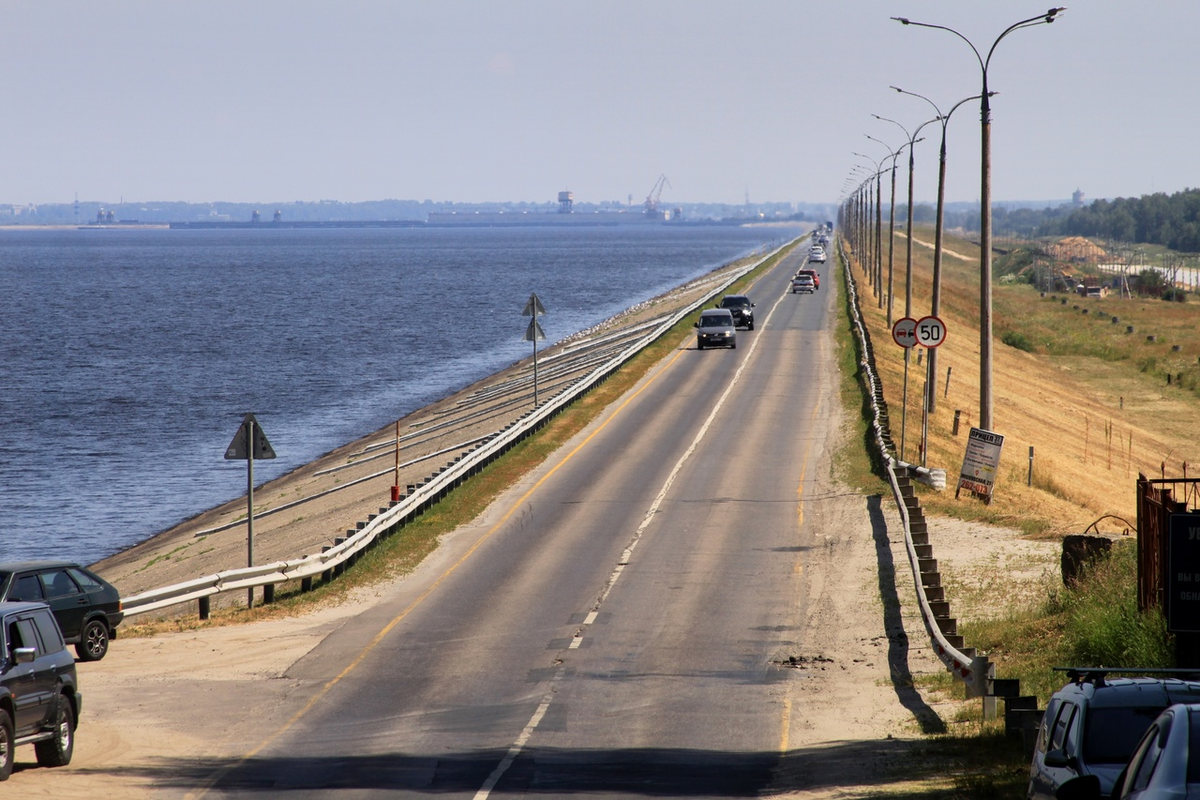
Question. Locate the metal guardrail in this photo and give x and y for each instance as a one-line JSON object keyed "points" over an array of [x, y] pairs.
{"points": [[966, 666], [424, 495]]}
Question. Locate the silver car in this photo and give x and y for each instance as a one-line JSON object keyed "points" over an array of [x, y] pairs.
{"points": [[715, 329]]}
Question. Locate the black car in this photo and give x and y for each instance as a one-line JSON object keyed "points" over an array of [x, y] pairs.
{"points": [[87, 607], [39, 698], [742, 309]]}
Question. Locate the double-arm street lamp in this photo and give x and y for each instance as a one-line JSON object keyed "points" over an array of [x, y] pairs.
{"points": [[939, 230], [894, 154], [877, 263], [985, 210], [908, 236]]}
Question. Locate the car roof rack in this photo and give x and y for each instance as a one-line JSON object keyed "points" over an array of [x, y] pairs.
{"points": [[1096, 675]]}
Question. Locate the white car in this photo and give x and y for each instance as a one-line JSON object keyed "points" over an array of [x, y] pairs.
{"points": [[803, 284]]}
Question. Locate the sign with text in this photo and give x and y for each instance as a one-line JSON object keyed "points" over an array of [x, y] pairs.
{"points": [[1183, 573], [979, 467], [930, 332]]}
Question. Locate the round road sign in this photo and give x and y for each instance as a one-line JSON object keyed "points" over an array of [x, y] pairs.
{"points": [[904, 332], [931, 331]]}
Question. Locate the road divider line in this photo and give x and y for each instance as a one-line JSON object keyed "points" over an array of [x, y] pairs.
{"points": [[576, 641]]}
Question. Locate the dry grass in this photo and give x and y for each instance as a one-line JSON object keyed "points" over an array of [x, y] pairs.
{"points": [[1095, 420]]}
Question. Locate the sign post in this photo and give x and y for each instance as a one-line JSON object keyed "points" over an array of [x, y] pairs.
{"points": [[930, 332], [904, 333], [533, 307], [249, 443]]}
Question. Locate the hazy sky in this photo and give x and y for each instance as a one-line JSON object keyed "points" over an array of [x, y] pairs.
{"points": [[488, 100]]}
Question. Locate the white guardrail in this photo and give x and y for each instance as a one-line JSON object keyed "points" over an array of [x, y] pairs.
{"points": [[971, 670], [424, 495]]}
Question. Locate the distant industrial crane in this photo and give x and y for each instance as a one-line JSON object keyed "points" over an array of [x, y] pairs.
{"points": [[652, 198]]}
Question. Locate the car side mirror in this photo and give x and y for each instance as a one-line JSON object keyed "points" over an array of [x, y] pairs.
{"points": [[1085, 787], [25, 655], [1058, 759], [695, 324]]}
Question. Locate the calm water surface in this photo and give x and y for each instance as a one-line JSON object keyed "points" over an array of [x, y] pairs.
{"points": [[130, 357]]}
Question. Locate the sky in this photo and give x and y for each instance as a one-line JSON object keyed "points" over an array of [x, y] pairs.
{"points": [[516, 100]]}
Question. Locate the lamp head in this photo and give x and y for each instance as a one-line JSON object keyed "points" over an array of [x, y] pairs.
{"points": [[901, 20], [1052, 13]]}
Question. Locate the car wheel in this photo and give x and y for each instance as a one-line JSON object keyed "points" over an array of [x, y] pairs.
{"points": [[93, 642], [56, 751], [750, 327], [8, 743], [733, 346], [699, 345]]}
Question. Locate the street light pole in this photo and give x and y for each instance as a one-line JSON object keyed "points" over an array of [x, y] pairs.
{"points": [[891, 228], [876, 271], [985, 209], [912, 140], [938, 236]]}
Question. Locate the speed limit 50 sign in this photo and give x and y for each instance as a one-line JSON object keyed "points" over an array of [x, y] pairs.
{"points": [[930, 332]]}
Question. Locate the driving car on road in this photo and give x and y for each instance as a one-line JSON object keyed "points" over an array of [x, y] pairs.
{"points": [[803, 284], [742, 309], [87, 608], [715, 328], [812, 273], [39, 698], [1092, 725], [817, 255]]}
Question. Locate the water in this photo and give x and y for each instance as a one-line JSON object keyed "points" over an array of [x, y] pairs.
{"points": [[130, 357]]}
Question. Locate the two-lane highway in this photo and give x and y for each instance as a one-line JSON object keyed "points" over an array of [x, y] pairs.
{"points": [[617, 624]]}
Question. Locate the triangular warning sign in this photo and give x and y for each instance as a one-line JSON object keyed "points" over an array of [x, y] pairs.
{"points": [[533, 306], [249, 438], [534, 332]]}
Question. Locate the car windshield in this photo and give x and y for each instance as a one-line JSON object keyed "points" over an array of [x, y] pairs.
{"points": [[735, 302], [1112, 733], [715, 321]]}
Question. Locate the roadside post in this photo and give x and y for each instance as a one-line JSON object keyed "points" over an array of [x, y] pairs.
{"points": [[931, 332], [904, 333], [534, 307], [249, 443]]}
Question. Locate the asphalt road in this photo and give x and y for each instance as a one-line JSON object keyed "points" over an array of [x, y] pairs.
{"points": [[617, 625]]}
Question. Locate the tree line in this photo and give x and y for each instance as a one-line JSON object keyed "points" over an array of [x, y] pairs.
{"points": [[1169, 220]]}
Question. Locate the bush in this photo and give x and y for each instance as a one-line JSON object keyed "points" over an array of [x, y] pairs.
{"points": [[1018, 340], [1102, 624]]}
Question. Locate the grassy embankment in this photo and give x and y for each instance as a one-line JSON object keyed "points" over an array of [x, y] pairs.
{"points": [[1081, 382]]}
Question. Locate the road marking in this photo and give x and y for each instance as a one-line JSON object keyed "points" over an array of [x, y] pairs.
{"points": [[485, 792], [218, 774], [515, 750]]}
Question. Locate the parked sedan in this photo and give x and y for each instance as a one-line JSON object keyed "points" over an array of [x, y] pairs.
{"points": [[1092, 724], [87, 608], [1165, 765]]}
